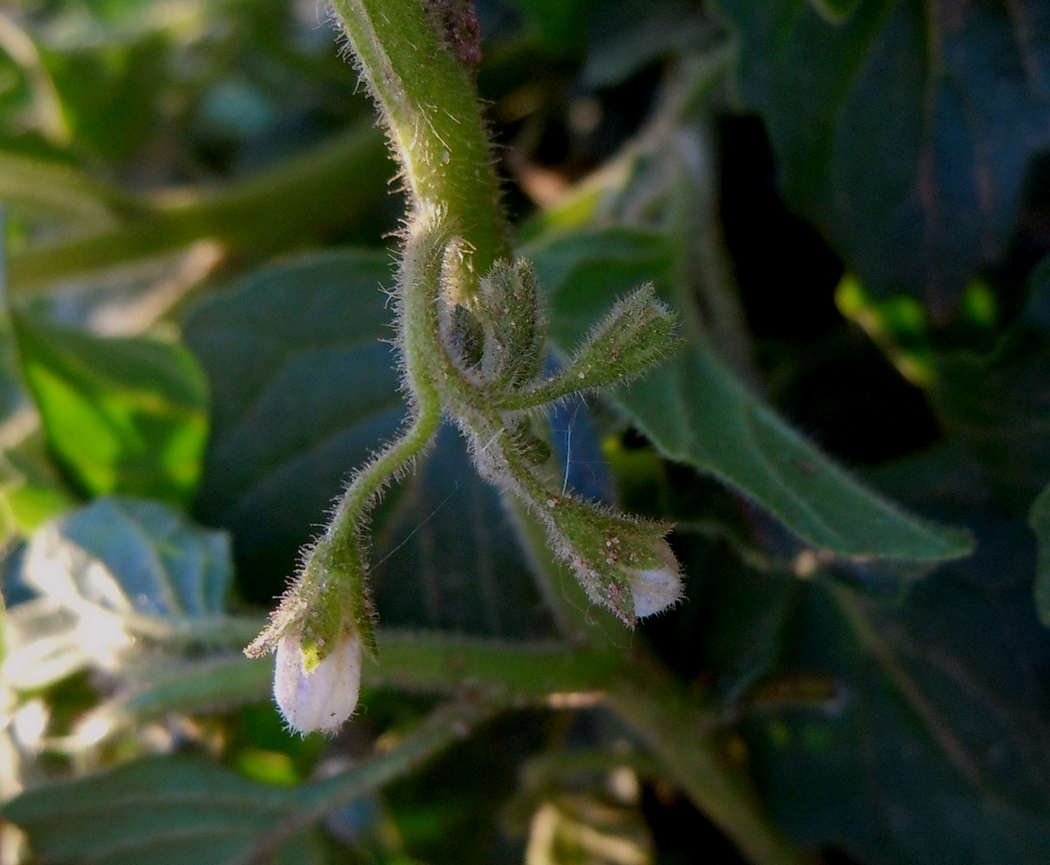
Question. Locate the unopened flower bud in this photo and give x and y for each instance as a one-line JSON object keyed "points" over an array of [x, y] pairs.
{"points": [[317, 695], [656, 589]]}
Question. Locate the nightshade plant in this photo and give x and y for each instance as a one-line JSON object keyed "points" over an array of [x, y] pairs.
{"points": [[576, 387]]}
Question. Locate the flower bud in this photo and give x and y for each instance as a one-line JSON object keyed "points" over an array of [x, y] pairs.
{"points": [[656, 589], [316, 694]]}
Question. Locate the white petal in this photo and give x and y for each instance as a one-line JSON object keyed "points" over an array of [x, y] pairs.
{"points": [[657, 589], [322, 698]]}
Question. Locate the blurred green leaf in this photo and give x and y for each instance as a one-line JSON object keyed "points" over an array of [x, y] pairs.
{"points": [[905, 132], [174, 810], [305, 390], [31, 491], [561, 25], [625, 36], [132, 558], [694, 410], [39, 185], [164, 810], [836, 10], [120, 415], [107, 93], [998, 405]]}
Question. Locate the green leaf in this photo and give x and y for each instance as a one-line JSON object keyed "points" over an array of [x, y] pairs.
{"points": [[175, 810], [31, 491], [1039, 520], [836, 11], [107, 92], [625, 36], [560, 25], [905, 132], [164, 810], [304, 391], [934, 749], [998, 405], [42, 186], [131, 558], [120, 415], [695, 411]]}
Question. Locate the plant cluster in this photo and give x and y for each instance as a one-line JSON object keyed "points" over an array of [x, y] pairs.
{"points": [[596, 590]]}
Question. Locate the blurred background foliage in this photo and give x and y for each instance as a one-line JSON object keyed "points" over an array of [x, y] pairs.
{"points": [[845, 199]]}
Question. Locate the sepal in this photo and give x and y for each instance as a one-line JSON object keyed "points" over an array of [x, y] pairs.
{"points": [[638, 332], [622, 562]]}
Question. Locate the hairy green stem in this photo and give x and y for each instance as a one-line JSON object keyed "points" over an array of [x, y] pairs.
{"points": [[430, 109], [412, 661], [426, 95]]}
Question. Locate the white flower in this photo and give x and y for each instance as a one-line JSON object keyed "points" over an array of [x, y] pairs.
{"points": [[323, 696], [656, 589]]}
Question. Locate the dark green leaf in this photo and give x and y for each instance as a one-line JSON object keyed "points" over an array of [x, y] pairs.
{"points": [[560, 25], [121, 415], [903, 133], [304, 392], [106, 92], [1039, 520], [627, 35], [835, 10], [161, 810], [931, 745], [694, 410], [177, 810], [935, 749], [998, 405]]}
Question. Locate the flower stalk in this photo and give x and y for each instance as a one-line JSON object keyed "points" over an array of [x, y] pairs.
{"points": [[472, 341]]}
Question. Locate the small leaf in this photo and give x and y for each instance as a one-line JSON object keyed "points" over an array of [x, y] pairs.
{"points": [[695, 411], [509, 307], [121, 415]]}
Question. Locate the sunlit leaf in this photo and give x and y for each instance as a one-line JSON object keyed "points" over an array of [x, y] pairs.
{"points": [[130, 558], [120, 415]]}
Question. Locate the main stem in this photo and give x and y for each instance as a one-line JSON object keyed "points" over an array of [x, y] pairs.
{"points": [[431, 114]]}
